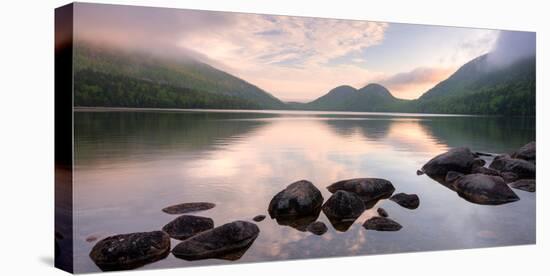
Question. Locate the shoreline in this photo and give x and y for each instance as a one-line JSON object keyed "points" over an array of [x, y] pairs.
{"points": [[270, 111]]}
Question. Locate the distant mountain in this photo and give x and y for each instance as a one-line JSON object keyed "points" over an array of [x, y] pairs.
{"points": [[107, 76], [372, 98], [479, 87]]}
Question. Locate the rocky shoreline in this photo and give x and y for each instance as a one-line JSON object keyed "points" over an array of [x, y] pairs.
{"points": [[300, 204]]}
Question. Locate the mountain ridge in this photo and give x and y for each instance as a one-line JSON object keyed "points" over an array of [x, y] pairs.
{"points": [[113, 77]]}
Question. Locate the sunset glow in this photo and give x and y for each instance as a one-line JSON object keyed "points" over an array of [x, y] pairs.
{"points": [[293, 58]]}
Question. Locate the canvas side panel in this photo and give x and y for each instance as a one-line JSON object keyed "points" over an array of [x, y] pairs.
{"points": [[64, 138]]}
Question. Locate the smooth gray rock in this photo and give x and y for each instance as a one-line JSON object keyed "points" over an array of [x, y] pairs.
{"points": [[528, 152], [218, 242], [318, 228], [129, 251], [458, 159], [409, 201], [368, 189], [381, 224], [528, 185], [188, 207], [186, 226], [298, 199], [522, 168], [484, 189]]}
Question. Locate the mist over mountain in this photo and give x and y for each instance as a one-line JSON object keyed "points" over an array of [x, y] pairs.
{"points": [[510, 47], [501, 82], [110, 76]]}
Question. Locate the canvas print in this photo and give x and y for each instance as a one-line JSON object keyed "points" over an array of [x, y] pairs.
{"points": [[192, 138]]}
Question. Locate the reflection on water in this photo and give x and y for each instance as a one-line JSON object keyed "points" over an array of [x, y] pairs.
{"points": [[130, 165]]}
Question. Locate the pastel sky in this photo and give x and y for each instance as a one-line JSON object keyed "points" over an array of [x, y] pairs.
{"points": [[293, 58]]}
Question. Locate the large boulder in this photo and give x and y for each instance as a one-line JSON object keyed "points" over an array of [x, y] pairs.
{"points": [[520, 167], [528, 152], [184, 227], [409, 201], [188, 207], [484, 189], [528, 185], [219, 242], [128, 251], [381, 224], [343, 205], [368, 189], [458, 159], [299, 199]]}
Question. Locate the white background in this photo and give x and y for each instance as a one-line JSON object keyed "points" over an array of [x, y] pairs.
{"points": [[27, 123]]}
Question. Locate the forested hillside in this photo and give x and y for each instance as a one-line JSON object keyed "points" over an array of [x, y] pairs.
{"points": [[181, 74]]}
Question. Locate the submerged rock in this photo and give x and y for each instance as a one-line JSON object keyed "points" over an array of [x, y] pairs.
{"points": [[381, 212], [520, 167], [368, 189], [318, 228], [528, 152], [405, 200], [299, 223], [128, 251], [92, 237], [186, 226], [258, 218], [528, 185], [458, 159], [219, 242], [484, 189], [381, 224], [188, 207], [343, 205], [299, 199]]}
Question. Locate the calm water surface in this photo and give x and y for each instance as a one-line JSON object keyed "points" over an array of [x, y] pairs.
{"points": [[130, 165]]}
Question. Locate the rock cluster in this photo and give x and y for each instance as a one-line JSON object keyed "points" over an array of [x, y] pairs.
{"points": [[200, 240], [460, 170]]}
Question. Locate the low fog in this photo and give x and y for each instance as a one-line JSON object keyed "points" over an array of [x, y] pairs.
{"points": [[511, 46]]}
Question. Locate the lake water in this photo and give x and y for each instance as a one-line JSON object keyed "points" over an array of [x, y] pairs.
{"points": [[129, 165]]}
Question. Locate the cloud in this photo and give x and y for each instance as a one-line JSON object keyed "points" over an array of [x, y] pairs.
{"points": [[511, 46], [411, 84], [294, 58], [287, 56]]}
